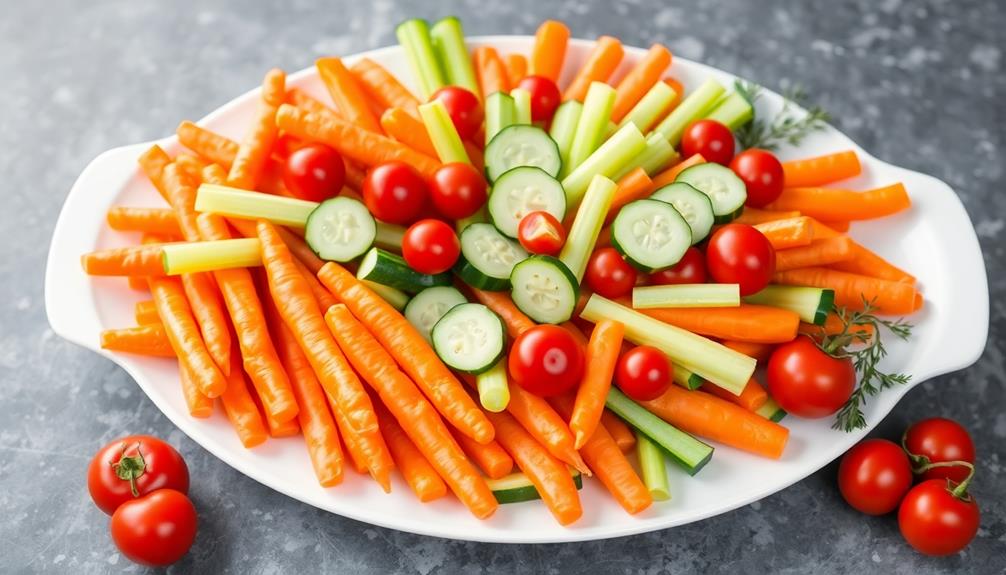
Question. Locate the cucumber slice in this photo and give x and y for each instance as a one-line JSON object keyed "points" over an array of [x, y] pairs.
{"points": [[428, 306], [469, 338], [650, 234], [521, 191], [520, 145], [386, 268], [487, 257], [340, 229], [517, 487], [726, 191], [813, 304], [693, 205], [544, 289]]}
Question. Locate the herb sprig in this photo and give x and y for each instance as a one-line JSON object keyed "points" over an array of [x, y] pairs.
{"points": [[787, 127]]}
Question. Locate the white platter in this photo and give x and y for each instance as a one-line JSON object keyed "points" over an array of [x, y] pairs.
{"points": [[935, 240]]}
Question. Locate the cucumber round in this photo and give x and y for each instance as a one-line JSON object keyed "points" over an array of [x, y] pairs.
{"points": [[521, 145], [487, 257], [340, 229], [383, 267], [469, 338], [650, 234], [693, 205], [544, 289], [521, 191], [427, 307], [726, 191]]}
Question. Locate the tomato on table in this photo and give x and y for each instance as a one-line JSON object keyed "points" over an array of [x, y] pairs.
{"points": [[643, 373], [546, 360], [545, 97], [608, 274], [133, 466], [458, 190], [157, 529], [710, 138], [938, 520], [874, 476], [430, 246], [691, 269], [808, 382], [762, 174], [464, 109], [940, 440], [395, 193], [541, 233], [740, 254], [314, 172]]}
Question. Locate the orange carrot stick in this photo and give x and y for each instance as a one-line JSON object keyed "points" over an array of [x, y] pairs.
{"points": [[788, 233], [515, 321], [759, 351], [190, 164], [141, 340], [138, 283], [416, 470], [209, 145], [382, 86], [153, 220], [516, 68], [839, 226], [256, 147], [851, 289], [834, 204], [490, 71], [821, 170], [198, 404], [602, 355], [633, 186], [241, 409], [832, 326], [145, 312], [549, 50], [752, 216], [751, 397], [619, 431], [276, 428], [670, 174], [127, 261], [753, 323], [346, 93], [356, 456], [407, 129], [821, 252], [492, 459], [867, 263], [301, 99], [297, 246], [639, 80], [602, 62]]}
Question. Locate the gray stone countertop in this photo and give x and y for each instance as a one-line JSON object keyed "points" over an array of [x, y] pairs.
{"points": [[920, 84]]}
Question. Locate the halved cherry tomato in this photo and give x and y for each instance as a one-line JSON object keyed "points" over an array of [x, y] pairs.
{"points": [[133, 466], [463, 107], [395, 193], [940, 440], [808, 382], [762, 173], [545, 97], [458, 190], [691, 269], [608, 274], [157, 529], [935, 521], [711, 139], [314, 172], [541, 233], [740, 254], [643, 373], [874, 475], [430, 246], [546, 360]]}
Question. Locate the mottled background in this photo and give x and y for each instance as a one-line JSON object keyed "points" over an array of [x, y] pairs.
{"points": [[919, 84]]}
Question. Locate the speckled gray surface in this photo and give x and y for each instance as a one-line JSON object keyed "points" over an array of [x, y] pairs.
{"points": [[919, 84]]}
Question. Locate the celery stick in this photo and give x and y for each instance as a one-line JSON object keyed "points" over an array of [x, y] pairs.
{"points": [[397, 299], [414, 36], [442, 132], [723, 366], [479, 217], [522, 106], [389, 237], [494, 391], [238, 203], [651, 463], [191, 257], [771, 411], [682, 448], [501, 111], [686, 295], [733, 111], [564, 127], [606, 161], [651, 107], [590, 130], [691, 108], [658, 153], [587, 225], [449, 42], [686, 379]]}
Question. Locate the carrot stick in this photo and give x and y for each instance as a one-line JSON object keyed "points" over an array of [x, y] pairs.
{"points": [[145, 312], [138, 283], [839, 226], [382, 86], [256, 147], [609, 463], [759, 351], [414, 413], [297, 246], [516, 68], [346, 93], [198, 404], [602, 355], [670, 174], [407, 129], [410, 350], [416, 470], [141, 340], [633, 186], [751, 398], [602, 62], [788, 233], [153, 220], [356, 456], [324, 297], [241, 409], [707, 416], [515, 321], [834, 204], [851, 289], [352, 141], [300, 313], [639, 80], [209, 145], [490, 457], [301, 99], [490, 71], [821, 252], [276, 428], [867, 263], [752, 323], [152, 162], [821, 170], [190, 164], [128, 261], [752, 216], [832, 326], [549, 50], [619, 431]]}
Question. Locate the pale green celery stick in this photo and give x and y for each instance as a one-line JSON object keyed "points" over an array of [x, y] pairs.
{"points": [[522, 106], [192, 257], [686, 295], [587, 225], [686, 379], [494, 390], [501, 111], [606, 161], [733, 111], [651, 107], [651, 463], [691, 108], [658, 153], [564, 127], [481, 216], [414, 36], [449, 42], [239, 203], [397, 299], [442, 133], [389, 237], [590, 130]]}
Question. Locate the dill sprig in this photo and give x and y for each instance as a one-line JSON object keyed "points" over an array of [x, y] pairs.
{"points": [[787, 127]]}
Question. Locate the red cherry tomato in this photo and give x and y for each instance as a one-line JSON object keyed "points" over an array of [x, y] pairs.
{"points": [[430, 246], [546, 360], [395, 193], [806, 381], [643, 373], [155, 530], [608, 274], [691, 269], [762, 173], [541, 233], [458, 190], [934, 521], [711, 139], [874, 475], [314, 172], [545, 97], [941, 440], [151, 464], [463, 107], [740, 254]]}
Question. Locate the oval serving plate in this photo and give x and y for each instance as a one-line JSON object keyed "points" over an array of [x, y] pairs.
{"points": [[935, 240]]}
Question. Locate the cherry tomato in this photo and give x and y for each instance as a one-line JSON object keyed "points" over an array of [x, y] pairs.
{"points": [[762, 174], [395, 193], [608, 274], [740, 254], [806, 381], [934, 521], [691, 269], [546, 360], [464, 109], [458, 190], [874, 475], [137, 461], [314, 172], [541, 233], [938, 439], [545, 97], [156, 529], [643, 373], [711, 139], [430, 246]]}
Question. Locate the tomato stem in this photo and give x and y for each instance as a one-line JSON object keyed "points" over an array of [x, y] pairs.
{"points": [[922, 464], [130, 467]]}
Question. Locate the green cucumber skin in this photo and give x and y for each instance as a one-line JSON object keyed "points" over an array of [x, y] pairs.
{"points": [[695, 382], [397, 274], [727, 218], [823, 309], [472, 276], [632, 262], [528, 493], [556, 262], [490, 363]]}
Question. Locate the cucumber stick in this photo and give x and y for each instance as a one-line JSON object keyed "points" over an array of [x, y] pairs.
{"points": [[389, 237], [385, 268], [813, 304], [587, 224], [771, 411], [396, 298], [650, 107], [414, 36], [494, 389], [686, 379], [443, 134], [500, 113], [192, 257], [449, 42], [686, 295], [651, 463], [563, 128], [517, 487], [693, 107], [593, 123], [732, 111], [613, 155], [723, 366]]}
